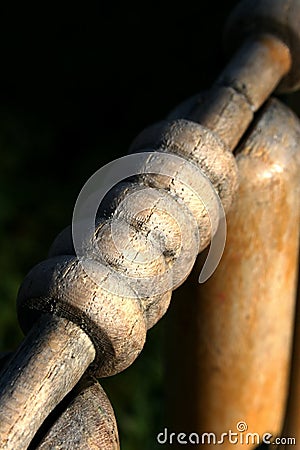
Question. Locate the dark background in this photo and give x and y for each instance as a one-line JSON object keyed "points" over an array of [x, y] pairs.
{"points": [[77, 83]]}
